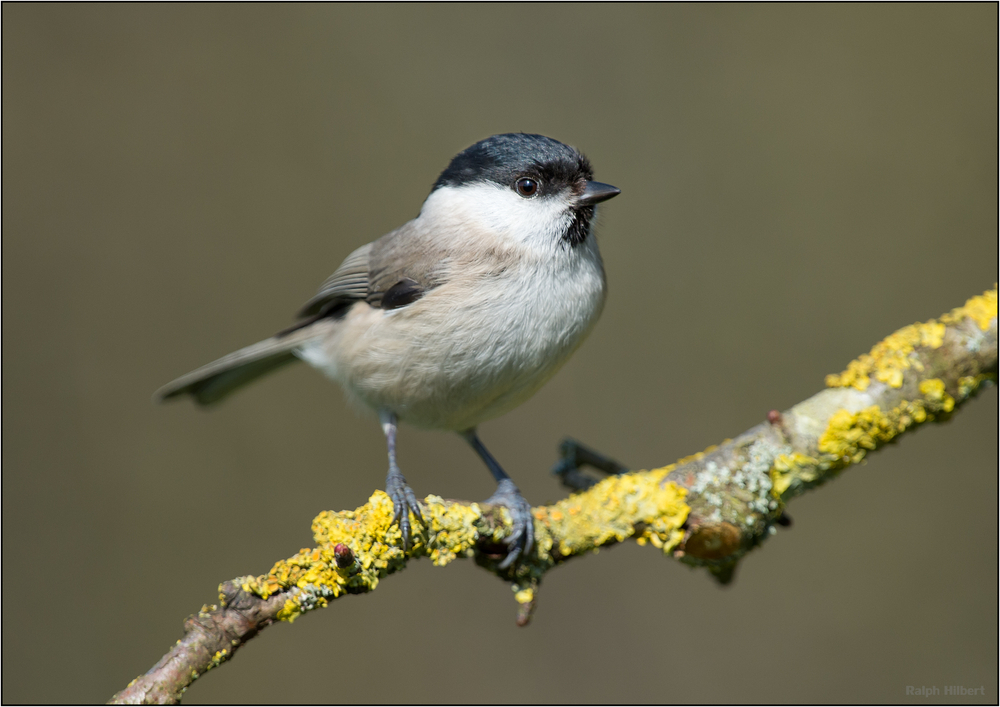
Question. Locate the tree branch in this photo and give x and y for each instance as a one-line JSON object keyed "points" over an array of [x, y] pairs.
{"points": [[708, 509]]}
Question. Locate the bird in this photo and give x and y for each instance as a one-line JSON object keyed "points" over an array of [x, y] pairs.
{"points": [[457, 316]]}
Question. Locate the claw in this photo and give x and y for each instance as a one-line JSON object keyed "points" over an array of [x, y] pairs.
{"points": [[404, 529], [522, 537], [511, 558], [414, 505], [404, 502]]}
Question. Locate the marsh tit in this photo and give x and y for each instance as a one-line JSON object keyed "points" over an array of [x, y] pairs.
{"points": [[457, 316]]}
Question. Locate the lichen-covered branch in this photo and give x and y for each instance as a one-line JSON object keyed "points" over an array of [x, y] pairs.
{"points": [[708, 509]]}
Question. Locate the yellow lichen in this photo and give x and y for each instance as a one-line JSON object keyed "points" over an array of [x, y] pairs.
{"points": [[452, 528], [981, 309], [524, 596], [933, 391], [850, 436], [788, 468], [218, 659], [448, 532], [612, 509], [890, 358], [290, 611]]}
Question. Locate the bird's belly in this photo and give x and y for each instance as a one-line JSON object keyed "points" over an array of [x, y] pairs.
{"points": [[459, 356]]}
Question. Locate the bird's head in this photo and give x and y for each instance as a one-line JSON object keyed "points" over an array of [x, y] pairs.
{"points": [[527, 187]]}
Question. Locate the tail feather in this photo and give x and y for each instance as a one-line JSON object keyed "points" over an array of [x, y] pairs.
{"points": [[214, 381]]}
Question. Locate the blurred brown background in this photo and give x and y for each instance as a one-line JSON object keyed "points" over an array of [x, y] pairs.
{"points": [[797, 183]]}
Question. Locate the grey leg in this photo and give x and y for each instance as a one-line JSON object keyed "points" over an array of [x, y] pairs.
{"points": [[508, 495], [404, 501]]}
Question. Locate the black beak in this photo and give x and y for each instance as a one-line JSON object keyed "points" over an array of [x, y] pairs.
{"points": [[596, 192]]}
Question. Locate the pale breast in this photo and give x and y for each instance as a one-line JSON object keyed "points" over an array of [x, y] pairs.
{"points": [[471, 349]]}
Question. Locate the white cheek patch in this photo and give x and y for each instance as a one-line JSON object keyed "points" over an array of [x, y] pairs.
{"points": [[538, 222]]}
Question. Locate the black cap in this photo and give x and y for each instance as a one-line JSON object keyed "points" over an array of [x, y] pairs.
{"points": [[503, 158]]}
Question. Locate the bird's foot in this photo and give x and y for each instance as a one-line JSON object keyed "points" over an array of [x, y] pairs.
{"points": [[573, 456], [404, 502], [522, 538]]}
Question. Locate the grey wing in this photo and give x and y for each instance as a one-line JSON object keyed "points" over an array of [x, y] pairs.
{"points": [[391, 272], [404, 265], [348, 283]]}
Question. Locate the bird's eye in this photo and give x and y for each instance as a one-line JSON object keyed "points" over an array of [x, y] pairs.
{"points": [[526, 186]]}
